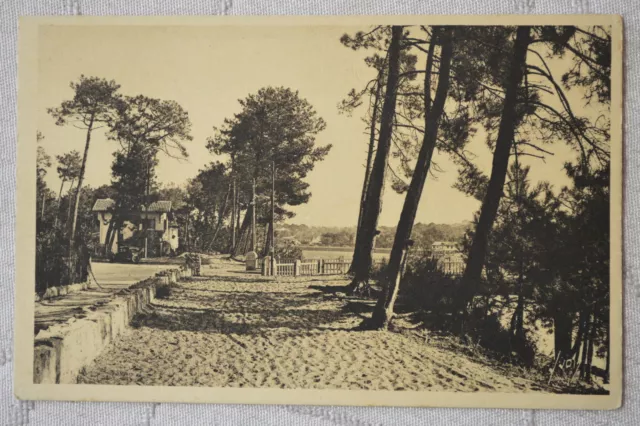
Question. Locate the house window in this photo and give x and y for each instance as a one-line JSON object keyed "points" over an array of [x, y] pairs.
{"points": [[150, 223], [166, 224]]}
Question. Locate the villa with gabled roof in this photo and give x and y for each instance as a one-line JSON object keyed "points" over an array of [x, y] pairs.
{"points": [[156, 221]]}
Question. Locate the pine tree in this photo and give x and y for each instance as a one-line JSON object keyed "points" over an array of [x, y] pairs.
{"points": [[433, 112], [276, 128], [92, 106], [371, 212]]}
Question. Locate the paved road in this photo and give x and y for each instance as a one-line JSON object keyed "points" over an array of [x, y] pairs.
{"points": [[112, 277], [116, 276]]}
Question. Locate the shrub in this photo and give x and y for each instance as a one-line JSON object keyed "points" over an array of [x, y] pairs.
{"points": [[288, 252], [492, 335], [379, 270], [428, 289], [55, 265]]}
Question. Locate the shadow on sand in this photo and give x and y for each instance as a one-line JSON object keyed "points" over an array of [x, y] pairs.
{"points": [[248, 311]]}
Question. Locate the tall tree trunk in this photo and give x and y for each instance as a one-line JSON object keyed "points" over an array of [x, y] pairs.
{"points": [[246, 245], [253, 216], [114, 227], [186, 233], [242, 233], [562, 331], [367, 170], [592, 337], [267, 240], [55, 223], [72, 232], [238, 214], [378, 170], [70, 203], [107, 238], [608, 349], [200, 243], [44, 195], [384, 308], [575, 349], [585, 345], [145, 222], [272, 225], [232, 245], [517, 332], [506, 132], [61, 186], [221, 213]]}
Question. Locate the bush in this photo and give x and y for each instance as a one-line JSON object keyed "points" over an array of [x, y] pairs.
{"points": [[379, 270], [55, 266], [289, 252], [428, 289], [491, 334], [433, 293]]}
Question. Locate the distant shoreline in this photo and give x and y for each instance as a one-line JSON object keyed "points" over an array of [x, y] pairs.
{"points": [[342, 249]]}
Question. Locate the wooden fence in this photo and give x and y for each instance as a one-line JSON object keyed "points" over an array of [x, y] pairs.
{"points": [[297, 268], [336, 267], [451, 267], [451, 264], [293, 268]]}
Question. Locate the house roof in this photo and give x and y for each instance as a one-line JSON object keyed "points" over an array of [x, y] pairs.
{"points": [[159, 206], [290, 238], [105, 204], [443, 243]]}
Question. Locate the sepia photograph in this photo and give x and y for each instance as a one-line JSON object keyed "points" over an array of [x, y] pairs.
{"points": [[358, 211]]}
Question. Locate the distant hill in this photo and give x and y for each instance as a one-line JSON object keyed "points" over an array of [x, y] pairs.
{"points": [[333, 236]]}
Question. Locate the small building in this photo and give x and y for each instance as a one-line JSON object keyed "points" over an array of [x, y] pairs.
{"points": [[316, 241], [155, 225], [443, 248], [290, 240], [451, 264]]}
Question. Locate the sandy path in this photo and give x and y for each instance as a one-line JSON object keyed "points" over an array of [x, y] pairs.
{"points": [[235, 329]]}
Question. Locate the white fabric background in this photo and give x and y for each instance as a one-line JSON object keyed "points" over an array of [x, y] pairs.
{"points": [[14, 412]]}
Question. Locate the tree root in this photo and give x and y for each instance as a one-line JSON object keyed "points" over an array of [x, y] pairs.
{"points": [[359, 288]]}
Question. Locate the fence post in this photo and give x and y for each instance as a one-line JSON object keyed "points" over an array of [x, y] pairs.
{"points": [[321, 266], [274, 266], [318, 268], [296, 268], [265, 265]]}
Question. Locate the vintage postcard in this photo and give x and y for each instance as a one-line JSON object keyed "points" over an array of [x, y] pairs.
{"points": [[403, 211]]}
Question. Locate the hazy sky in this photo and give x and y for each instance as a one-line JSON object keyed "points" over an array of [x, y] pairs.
{"points": [[207, 69]]}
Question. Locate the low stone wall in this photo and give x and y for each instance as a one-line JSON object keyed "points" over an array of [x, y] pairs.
{"points": [[63, 350], [52, 292]]}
